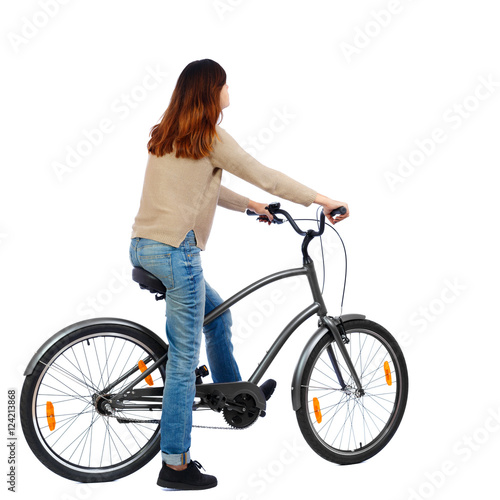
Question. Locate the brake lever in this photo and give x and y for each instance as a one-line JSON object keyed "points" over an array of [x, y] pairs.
{"points": [[272, 207], [263, 218], [276, 220]]}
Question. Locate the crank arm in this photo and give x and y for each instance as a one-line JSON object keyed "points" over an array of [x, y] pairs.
{"points": [[236, 407]]}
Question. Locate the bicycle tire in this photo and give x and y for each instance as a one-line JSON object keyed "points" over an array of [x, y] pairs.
{"points": [[337, 424], [86, 445]]}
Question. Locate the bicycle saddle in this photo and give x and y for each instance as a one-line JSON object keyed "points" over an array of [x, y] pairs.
{"points": [[148, 281]]}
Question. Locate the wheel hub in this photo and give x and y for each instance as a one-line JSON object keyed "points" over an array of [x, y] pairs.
{"points": [[352, 391], [102, 404]]}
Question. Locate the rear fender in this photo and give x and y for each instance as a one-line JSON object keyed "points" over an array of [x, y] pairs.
{"points": [[85, 324]]}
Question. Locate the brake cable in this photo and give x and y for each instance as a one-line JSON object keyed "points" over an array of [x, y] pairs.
{"points": [[323, 257]]}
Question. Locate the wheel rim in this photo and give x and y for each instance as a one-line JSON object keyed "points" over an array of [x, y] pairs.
{"points": [[343, 421], [83, 438]]}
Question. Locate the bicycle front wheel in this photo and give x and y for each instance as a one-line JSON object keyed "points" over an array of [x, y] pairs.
{"points": [[339, 423], [65, 415]]}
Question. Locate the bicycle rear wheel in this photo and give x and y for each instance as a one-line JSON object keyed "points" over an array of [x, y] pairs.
{"points": [[64, 414], [339, 424]]}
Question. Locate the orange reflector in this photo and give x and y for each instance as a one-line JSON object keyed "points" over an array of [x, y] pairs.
{"points": [[388, 376], [143, 368], [51, 419], [317, 410]]}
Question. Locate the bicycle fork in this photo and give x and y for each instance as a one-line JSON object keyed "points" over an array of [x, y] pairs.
{"points": [[341, 346]]}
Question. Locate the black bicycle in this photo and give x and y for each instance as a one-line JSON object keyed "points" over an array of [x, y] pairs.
{"points": [[91, 401]]}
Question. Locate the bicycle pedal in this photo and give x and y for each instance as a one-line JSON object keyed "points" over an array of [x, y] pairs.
{"points": [[200, 372]]}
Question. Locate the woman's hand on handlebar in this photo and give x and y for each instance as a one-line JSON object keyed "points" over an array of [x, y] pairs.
{"points": [[259, 209], [328, 205]]}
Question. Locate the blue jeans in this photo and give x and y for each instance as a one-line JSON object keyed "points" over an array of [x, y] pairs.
{"points": [[189, 297]]}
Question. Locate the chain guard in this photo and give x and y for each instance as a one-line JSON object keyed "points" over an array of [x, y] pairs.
{"points": [[240, 410], [243, 413]]}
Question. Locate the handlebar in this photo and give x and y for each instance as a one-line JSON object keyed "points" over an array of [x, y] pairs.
{"points": [[274, 208]]}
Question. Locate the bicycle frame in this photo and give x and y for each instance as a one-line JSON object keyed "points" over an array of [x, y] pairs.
{"points": [[317, 307]]}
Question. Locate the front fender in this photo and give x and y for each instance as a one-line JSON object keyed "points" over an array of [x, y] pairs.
{"points": [[83, 324], [299, 369]]}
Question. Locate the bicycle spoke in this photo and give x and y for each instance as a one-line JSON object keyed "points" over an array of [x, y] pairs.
{"points": [[379, 397], [98, 360], [364, 420], [83, 439], [80, 368], [116, 362], [333, 380], [66, 373], [75, 396], [87, 361], [125, 365], [67, 427], [89, 433]]}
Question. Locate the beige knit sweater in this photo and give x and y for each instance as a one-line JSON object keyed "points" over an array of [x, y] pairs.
{"points": [[181, 194]]}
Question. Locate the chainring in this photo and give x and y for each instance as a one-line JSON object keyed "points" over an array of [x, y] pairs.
{"points": [[245, 416]]}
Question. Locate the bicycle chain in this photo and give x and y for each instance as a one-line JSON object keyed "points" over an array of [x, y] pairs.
{"points": [[228, 427], [154, 421], [137, 421], [221, 428]]}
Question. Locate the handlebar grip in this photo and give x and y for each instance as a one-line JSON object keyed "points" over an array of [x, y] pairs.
{"points": [[338, 211]]}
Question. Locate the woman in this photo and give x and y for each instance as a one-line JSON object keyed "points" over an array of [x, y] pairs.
{"points": [[182, 187]]}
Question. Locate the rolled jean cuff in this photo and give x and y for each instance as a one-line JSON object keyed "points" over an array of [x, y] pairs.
{"points": [[180, 459]]}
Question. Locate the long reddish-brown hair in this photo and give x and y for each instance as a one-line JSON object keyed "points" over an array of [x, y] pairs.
{"points": [[188, 124]]}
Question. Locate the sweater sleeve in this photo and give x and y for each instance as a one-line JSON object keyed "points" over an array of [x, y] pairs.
{"points": [[230, 156], [231, 200]]}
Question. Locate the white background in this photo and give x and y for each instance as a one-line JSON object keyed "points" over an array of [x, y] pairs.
{"points": [[359, 84]]}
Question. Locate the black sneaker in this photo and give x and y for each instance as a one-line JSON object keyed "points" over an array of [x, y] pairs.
{"points": [[188, 479], [268, 388]]}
